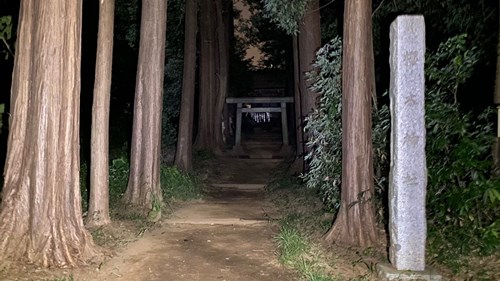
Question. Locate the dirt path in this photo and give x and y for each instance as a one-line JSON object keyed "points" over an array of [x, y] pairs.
{"points": [[225, 236]]}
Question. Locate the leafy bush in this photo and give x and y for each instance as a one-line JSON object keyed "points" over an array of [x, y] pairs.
{"points": [[177, 185], [118, 177], [287, 14], [324, 127], [463, 199], [463, 196]]}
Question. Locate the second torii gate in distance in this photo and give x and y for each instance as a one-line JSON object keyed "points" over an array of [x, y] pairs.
{"points": [[261, 100]]}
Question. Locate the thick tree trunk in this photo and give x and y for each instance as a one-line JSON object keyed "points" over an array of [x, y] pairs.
{"points": [[496, 147], [222, 33], [184, 154], [497, 78], [298, 165], [143, 188], [98, 213], [355, 223], [41, 216], [309, 40], [205, 139]]}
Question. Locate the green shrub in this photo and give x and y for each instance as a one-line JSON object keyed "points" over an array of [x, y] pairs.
{"points": [[463, 196], [324, 127], [286, 14], [118, 177], [177, 185], [463, 199]]}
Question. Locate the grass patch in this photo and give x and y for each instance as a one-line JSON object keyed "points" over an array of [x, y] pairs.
{"points": [[302, 227], [296, 252], [292, 245]]}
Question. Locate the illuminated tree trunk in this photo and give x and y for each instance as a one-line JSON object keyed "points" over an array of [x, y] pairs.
{"points": [[206, 139], [184, 154], [355, 223], [309, 40], [98, 213], [41, 216], [143, 188], [222, 34], [298, 165]]}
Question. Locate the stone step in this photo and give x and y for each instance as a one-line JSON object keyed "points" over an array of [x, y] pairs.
{"points": [[240, 186], [215, 221], [225, 212]]}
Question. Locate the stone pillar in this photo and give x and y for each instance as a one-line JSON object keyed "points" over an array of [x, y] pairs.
{"points": [[408, 173]]}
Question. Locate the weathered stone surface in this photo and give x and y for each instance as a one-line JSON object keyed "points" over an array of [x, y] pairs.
{"points": [[387, 272], [408, 175]]}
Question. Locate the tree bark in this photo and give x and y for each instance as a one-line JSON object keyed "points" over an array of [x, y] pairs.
{"points": [[184, 154], [497, 77], [309, 40], [496, 146], [143, 188], [41, 216], [98, 213], [222, 34], [298, 165], [355, 223], [205, 139]]}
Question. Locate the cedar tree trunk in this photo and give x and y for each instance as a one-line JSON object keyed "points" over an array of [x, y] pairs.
{"points": [[41, 214], [309, 39], [184, 154], [98, 213], [298, 165], [205, 139], [222, 33], [143, 188], [496, 148], [355, 223]]}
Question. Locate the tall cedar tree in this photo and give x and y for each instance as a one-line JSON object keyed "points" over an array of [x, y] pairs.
{"points": [[298, 166], [143, 188], [355, 223], [184, 153], [309, 41], [99, 156], [41, 216], [496, 149], [214, 65], [205, 138], [222, 55]]}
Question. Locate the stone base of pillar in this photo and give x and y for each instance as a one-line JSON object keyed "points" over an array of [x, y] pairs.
{"points": [[387, 272]]}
